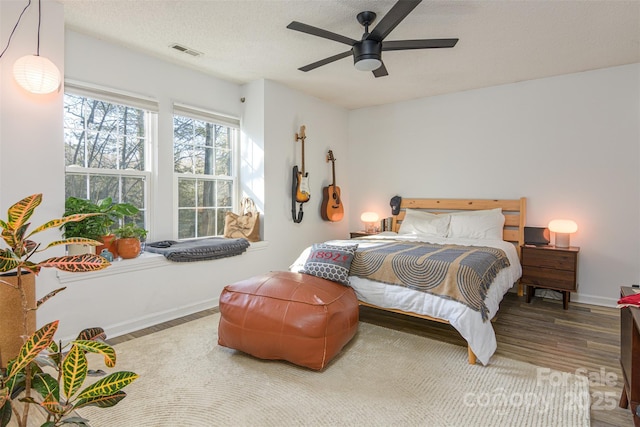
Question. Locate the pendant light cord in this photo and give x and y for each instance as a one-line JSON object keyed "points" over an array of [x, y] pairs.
{"points": [[39, 19], [16, 26]]}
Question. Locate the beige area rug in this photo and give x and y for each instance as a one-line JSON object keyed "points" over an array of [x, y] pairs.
{"points": [[382, 377]]}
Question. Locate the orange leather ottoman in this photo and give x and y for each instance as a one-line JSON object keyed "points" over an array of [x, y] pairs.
{"points": [[289, 316]]}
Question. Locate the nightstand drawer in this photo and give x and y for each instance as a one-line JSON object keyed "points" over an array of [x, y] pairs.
{"points": [[549, 259], [549, 278]]}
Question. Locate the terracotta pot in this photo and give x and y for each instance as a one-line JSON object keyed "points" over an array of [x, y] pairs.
{"points": [[128, 247], [109, 244], [11, 316]]}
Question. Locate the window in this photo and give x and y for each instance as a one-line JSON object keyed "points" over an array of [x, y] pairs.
{"points": [[107, 149], [204, 147]]}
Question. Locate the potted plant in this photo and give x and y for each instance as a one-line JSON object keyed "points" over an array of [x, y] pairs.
{"points": [[96, 227], [129, 237], [23, 374]]}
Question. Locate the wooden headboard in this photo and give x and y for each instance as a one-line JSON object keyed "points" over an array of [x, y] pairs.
{"points": [[515, 213]]}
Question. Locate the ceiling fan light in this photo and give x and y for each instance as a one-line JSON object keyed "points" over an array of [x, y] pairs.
{"points": [[36, 74], [367, 54], [368, 64]]}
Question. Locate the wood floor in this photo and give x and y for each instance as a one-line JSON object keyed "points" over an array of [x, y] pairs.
{"points": [[584, 339]]}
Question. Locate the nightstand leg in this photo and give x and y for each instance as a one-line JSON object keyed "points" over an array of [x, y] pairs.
{"points": [[530, 290], [565, 299]]}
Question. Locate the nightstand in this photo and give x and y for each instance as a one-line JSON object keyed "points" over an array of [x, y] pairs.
{"points": [[550, 267], [354, 234]]}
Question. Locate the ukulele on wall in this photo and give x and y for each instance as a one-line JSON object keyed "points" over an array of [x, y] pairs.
{"points": [[332, 207]]}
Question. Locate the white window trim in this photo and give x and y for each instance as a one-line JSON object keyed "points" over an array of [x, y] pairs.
{"points": [[206, 115], [108, 94], [151, 122], [216, 118]]}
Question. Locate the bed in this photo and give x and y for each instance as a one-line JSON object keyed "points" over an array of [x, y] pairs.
{"points": [[472, 224]]}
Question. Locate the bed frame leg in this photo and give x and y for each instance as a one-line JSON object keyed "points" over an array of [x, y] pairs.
{"points": [[520, 289], [472, 356]]}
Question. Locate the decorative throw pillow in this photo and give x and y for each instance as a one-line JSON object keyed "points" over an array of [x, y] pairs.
{"points": [[330, 262]]}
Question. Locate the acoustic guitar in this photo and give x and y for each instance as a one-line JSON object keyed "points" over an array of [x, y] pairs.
{"points": [[332, 208], [302, 188]]}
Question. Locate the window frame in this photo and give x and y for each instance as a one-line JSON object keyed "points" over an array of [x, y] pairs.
{"points": [[150, 109], [195, 113]]}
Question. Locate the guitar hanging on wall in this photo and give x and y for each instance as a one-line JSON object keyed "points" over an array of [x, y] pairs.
{"points": [[332, 207], [300, 192], [302, 189]]}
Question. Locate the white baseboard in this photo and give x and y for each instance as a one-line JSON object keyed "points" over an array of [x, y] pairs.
{"points": [[138, 323], [594, 300]]}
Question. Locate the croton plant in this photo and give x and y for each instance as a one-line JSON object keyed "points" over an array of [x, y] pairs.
{"points": [[46, 373]]}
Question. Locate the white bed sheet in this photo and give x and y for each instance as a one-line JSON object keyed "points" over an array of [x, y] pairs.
{"points": [[479, 335]]}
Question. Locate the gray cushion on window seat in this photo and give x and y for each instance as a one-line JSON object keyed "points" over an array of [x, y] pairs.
{"points": [[198, 249]]}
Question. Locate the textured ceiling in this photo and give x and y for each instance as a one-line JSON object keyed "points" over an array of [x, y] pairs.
{"points": [[500, 41]]}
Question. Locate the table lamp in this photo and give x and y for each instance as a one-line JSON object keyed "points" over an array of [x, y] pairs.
{"points": [[563, 229], [370, 220]]}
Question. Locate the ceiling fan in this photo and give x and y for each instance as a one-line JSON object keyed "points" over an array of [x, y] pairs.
{"points": [[367, 52]]}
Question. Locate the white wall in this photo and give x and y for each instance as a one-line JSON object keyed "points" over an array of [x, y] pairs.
{"points": [[31, 136], [570, 144], [31, 145], [326, 128]]}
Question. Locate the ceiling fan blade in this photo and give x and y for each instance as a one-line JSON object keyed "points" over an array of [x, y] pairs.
{"points": [[418, 44], [325, 61], [304, 28], [398, 12], [381, 71]]}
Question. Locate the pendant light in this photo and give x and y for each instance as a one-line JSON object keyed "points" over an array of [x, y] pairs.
{"points": [[35, 73]]}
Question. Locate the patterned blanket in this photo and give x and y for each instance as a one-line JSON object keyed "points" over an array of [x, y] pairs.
{"points": [[460, 273]]}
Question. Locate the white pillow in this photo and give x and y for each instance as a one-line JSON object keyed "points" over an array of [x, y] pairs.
{"points": [[484, 224], [424, 223]]}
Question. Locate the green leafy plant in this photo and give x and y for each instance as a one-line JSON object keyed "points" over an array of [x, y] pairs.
{"points": [[24, 374], [95, 227], [61, 395], [130, 230]]}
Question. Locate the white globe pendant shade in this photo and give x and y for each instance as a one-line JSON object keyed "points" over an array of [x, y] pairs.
{"points": [[36, 74]]}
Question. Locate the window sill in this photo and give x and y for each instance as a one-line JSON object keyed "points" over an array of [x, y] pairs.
{"points": [[145, 261]]}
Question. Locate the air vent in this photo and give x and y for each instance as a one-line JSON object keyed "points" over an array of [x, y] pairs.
{"points": [[184, 49]]}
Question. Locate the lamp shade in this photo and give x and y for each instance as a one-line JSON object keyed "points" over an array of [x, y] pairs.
{"points": [[369, 217], [36, 74], [563, 226], [370, 220], [563, 229]]}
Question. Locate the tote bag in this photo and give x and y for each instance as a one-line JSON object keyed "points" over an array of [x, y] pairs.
{"points": [[246, 225]]}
